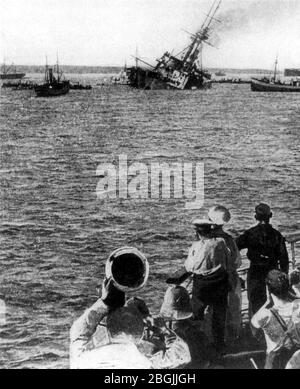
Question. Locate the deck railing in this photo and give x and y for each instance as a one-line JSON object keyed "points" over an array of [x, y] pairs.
{"points": [[292, 238]]}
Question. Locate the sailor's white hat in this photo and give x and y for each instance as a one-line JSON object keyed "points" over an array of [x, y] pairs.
{"points": [[201, 222]]}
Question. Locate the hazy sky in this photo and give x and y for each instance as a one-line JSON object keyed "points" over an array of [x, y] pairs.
{"points": [[105, 32]]}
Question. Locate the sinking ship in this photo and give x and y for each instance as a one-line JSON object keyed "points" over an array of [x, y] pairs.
{"points": [[182, 71]]}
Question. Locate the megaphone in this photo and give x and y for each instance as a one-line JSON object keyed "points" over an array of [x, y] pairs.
{"points": [[128, 268]]}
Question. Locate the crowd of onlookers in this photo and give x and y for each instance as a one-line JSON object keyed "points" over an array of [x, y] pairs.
{"points": [[201, 311]]}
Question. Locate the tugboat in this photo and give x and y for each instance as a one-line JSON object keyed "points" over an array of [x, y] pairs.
{"points": [[273, 84], [174, 72], [53, 86]]}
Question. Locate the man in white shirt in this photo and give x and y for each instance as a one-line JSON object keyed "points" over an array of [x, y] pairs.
{"points": [[208, 260], [125, 330]]}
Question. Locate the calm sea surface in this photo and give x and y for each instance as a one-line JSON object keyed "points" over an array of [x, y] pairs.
{"points": [[56, 234]]}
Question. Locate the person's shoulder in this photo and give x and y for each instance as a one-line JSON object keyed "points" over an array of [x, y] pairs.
{"points": [[221, 243], [261, 317], [296, 304], [275, 231], [214, 242], [248, 232], [253, 229], [196, 245]]}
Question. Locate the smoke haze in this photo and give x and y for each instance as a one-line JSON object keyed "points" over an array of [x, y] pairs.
{"points": [[106, 32]]}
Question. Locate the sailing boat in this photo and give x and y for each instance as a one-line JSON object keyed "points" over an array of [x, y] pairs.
{"points": [[273, 84], [53, 86], [10, 73]]}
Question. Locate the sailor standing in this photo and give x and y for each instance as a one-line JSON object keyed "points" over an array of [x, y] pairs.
{"points": [[208, 261], [266, 251], [220, 216]]}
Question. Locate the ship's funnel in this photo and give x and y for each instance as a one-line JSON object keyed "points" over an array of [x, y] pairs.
{"points": [[128, 268]]}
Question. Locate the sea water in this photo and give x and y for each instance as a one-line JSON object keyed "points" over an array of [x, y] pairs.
{"points": [[56, 234]]}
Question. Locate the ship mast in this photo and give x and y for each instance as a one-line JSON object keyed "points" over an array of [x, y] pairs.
{"points": [[57, 66], [136, 57], [201, 36], [275, 70], [46, 71]]}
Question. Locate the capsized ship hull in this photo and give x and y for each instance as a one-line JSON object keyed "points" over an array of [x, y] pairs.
{"points": [[151, 80]]}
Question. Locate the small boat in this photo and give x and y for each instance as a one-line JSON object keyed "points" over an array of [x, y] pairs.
{"points": [[10, 73], [122, 78], [273, 84], [220, 74], [78, 86], [269, 86], [52, 86], [28, 85]]}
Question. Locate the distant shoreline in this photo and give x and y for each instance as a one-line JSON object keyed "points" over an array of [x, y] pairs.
{"points": [[116, 69]]}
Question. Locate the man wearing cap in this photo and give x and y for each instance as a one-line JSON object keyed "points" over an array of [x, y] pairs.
{"points": [[266, 251], [208, 261], [177, 311], [220, 215]]}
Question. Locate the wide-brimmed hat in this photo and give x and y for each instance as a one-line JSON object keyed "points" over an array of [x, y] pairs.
{"points": [[202, 222], [176, 304], [126, 321], [219, 215]]}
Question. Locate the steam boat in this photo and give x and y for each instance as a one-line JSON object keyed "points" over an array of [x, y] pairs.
{"points": [[53, 86]]}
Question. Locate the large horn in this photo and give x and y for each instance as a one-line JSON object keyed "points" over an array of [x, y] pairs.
{"points": [[128, 268]]}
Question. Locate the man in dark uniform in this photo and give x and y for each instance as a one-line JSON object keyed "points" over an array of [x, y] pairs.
{"points": [[266, 251]]}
